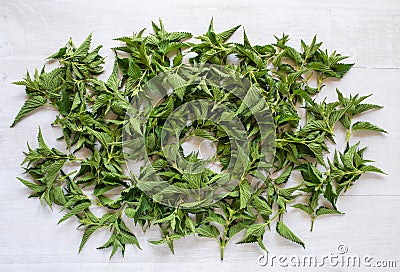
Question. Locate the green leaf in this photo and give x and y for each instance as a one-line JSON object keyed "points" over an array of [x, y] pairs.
{"points": [[58, 54], [130, 212], [285, 232], [178, 36], [224, 36], [57, 196], [321, 67], [214, 217], [38, 188], [167, 240], [88, 232], [113, 80], [75, 210], [342, 68], [245, 194], [330, 192], [128, 238], [310, 50], [208, 231], [362, 125], [166, 219], [311, 174], [52, 172], [190, 224], [314, 125], [360, 108], [178, 84], [83, 49], [371, 168], [262, 206], [256, 230], [336, 115], [133, 70], [204, 134], [324, 210], [304, 208], [76, 102], [283, 178], [235, 229], [293, 55], [30, 105]]}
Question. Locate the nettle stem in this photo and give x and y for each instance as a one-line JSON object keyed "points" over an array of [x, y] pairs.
{"points": [[312, 223], [348, 135], [222, 249]]}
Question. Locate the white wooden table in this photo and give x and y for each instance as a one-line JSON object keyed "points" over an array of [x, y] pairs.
{"points": [[368, 31]]}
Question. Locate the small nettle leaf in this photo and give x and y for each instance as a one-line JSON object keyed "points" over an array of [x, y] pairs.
{"points": [[88, 232], [310, 50], [57, 196], [75, 210], [178, 36], [235, 229], [38, 188], [341, 69], [317, 151], [83, 49], [224, 36], [326, 211], [178, 84], [336, 115], [262, 206], [360, 108], [284, 177], [246, 41], [371, 168], [285, 232], [330, 192], [130, 212], [209, 231], [346, 121], [363, 125], [30, 105], [256, 230], [245, 194], [293, 55], [59, 54], [113, 80], [214, 217], [305, 208], [311, 174]]}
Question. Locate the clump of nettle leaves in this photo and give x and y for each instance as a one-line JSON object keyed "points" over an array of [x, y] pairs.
{"points": [[91, 114]]}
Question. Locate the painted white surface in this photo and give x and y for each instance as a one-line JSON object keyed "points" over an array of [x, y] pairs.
{"points": [[368, 31]]}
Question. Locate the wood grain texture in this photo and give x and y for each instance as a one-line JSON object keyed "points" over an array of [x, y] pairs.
{"points": [[368, 31]]}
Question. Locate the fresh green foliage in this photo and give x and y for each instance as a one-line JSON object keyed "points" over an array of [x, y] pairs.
{"points": [[91, 115]]}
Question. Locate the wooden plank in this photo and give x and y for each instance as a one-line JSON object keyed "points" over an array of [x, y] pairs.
{"points": [[31, 236], [367, 30]]}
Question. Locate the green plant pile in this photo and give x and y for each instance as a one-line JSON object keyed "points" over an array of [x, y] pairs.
{"points": [[91, 115]]}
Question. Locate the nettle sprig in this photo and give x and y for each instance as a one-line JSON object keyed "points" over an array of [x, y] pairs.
{"points": [[91, 114]]}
